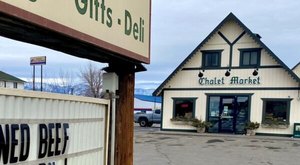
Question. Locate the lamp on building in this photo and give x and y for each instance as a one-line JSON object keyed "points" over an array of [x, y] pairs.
{"points": [[200, 74], [255, 72], [227, 73]]}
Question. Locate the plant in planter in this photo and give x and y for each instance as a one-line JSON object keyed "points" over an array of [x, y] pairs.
{"points": [[250, 127], [275, 123], [200, 125], [180, 120]]}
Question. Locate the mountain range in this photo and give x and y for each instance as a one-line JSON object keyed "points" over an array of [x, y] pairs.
{"points": [[78, 89]]}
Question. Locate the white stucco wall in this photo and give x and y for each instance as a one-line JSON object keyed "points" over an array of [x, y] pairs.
{"points": [[297, 70], [256, 108], [11, 85]]}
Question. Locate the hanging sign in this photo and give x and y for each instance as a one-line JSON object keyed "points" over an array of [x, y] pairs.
{"points": [[39, 60], [122, 27]]}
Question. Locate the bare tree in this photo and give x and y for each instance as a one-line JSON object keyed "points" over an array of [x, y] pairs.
{"points": [[67, 81], [92, 78], [64, 83]]}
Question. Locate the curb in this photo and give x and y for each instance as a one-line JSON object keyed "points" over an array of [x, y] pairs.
{"points": [[224, 135]]}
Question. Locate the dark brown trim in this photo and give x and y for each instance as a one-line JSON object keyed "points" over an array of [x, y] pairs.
{"points": [[180, 130], [231, 89], [234, 67], [274, 135], [53, 26], [231, 45]]}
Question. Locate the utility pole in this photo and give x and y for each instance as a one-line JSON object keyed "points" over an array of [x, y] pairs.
{"points": [[124, 128], [124, 115]]}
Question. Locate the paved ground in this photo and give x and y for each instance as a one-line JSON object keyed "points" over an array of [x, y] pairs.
{"points": [[153, 147]]}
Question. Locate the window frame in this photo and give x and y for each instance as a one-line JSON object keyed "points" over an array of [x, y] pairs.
{"points": [[15, 85], [205, 54], [250, 50], [287, 100], [193, 99]]}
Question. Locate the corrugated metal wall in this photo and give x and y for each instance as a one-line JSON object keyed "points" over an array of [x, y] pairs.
{"points": [[87, 119]]}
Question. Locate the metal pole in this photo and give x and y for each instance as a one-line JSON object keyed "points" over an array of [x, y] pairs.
{"points": [[113, 129], [33, 78], [41, 77]]}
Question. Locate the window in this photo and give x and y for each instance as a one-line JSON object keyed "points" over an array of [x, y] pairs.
{"points": [[276, 111], [211, 59], [15, 85], [184, 107], [250, 57]]}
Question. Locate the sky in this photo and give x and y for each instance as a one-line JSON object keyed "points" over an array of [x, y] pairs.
{"points": [[177, 28]]}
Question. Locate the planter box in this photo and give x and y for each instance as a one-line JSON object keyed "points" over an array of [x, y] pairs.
{"points": [[181, 122], [280, 126], [200, 130], [251, 132]]}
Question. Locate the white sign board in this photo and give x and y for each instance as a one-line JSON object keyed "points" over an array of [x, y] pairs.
{"points": [[122, 27], [39, 60], [50, 129]]}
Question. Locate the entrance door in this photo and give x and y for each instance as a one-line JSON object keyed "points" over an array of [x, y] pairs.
{"points": [[227, 114]]}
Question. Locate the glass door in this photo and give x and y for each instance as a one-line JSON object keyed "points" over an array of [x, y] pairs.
{"points": [[241, 114], [227, 115], [214, 113]]}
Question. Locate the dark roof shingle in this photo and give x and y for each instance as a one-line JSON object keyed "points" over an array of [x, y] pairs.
{"points": [[8, 77]]}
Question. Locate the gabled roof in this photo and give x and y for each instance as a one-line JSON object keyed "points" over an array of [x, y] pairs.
{"points": [[230, 17], [8, 77], [296, 66]]}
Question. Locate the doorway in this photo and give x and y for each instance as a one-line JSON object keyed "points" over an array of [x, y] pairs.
{"points": [[228, 113]]}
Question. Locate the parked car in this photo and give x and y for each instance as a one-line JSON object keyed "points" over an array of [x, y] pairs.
{"points": [[148, 119], [142, 110]]}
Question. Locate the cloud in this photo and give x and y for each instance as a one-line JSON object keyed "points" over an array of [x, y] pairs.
{"points": [[177, 28]]}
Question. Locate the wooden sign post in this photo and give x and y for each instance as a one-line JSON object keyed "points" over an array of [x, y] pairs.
{"points": [[124, 113]]}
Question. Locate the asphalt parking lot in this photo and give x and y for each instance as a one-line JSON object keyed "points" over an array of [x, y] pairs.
{"points": [[153, 147]]}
